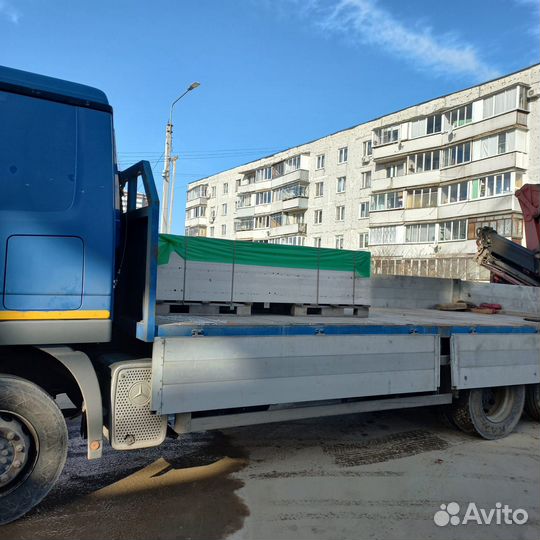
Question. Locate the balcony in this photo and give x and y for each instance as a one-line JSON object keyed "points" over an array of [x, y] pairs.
{"points": [[296, 203], [201, 221], [293, 228], [196, 231], [244, 211], [300, 175], [254, 234], [198, 201], [484, 127], [481, 167], [489, 205], [381, 183], [393, 151]]}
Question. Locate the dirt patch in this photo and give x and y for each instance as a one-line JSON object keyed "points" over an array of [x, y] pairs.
{"points": [[188, 494], [399, 445]]}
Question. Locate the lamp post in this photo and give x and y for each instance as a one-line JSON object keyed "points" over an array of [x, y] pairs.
{"points": [[166, 210]]}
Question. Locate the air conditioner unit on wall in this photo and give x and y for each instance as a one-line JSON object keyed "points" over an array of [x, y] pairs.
{"points": [[532, 93], [365, 160]]}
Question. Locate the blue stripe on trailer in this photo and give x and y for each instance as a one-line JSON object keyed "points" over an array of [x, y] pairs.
{"points": [[310, 330], [493, 330], [296, 330]]}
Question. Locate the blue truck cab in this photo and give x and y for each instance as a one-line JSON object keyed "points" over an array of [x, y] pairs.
{"points": [[59, 211]]}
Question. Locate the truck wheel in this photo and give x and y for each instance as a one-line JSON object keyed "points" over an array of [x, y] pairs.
{"points": [[33, 446], [492, 413], [532, 401]]}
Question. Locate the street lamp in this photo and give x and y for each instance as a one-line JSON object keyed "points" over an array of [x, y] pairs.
{"points": [[166, 211]]}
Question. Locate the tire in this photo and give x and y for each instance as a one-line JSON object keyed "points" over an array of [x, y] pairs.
{"points": [[532, 401], [34, 426], [491, 413]]}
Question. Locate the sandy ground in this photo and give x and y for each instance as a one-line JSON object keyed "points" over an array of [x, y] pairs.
{"points": [[380, 476]]}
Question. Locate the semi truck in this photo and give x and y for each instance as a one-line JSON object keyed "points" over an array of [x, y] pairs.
{"points": [[78, 317]]}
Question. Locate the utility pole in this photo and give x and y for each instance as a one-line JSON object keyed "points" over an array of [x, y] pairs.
{"points": [[166, 204], [173, 182]]}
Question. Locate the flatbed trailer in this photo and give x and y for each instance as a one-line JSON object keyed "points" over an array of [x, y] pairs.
{"points": [[203, 364], [78, 317]]}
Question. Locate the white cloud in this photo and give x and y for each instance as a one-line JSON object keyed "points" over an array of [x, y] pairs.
{"points": [[7, 11], [365, 22]]}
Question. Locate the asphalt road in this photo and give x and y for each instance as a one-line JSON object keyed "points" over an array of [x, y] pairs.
{"points": [[380, 476]]}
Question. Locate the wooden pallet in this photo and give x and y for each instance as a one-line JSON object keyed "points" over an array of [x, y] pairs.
{"points": [[259, 308]]}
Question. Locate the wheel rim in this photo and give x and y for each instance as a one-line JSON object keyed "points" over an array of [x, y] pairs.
{"points": [[497, 403], [18, 450]]}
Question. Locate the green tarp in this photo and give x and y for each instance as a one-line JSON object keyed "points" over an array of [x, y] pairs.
{"points": [[196, 248]]}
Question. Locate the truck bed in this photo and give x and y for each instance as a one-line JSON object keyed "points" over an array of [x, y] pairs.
{"points": [[380, 320], [203, 363]]}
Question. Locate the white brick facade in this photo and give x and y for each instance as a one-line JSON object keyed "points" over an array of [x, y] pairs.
{"points": [[435, 172]]}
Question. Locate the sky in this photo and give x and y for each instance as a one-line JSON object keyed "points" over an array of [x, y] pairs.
{"points": [[273, 73]]}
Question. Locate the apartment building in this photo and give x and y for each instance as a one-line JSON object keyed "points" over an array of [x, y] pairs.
{"points": [[412, 186]]}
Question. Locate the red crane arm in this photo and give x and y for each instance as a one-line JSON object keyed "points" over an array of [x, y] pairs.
{"points": [[529, 200]]}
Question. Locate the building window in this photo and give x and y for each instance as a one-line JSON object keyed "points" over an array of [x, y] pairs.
{"points": [[244, 224], [263, 197], [223, 230], [341, 184], [455, 193], [339, 242], [319, 189], [225, 188], [292, 164], [459, 153], [343, 154], [387, 201], [460, 117], [420, 233], [363, 240], [237, 184], [213, 213], [196, 192], [264, 222], [507, 226], [318, 217], [340, 213], [491, 186], [422, 198], [497, 144], [382, 235], [453, 230], [426, 126], [290, 191], [500, 103], [212, 231], [196, 212], [224, 209], [365, 180], [426, 161], [262, 174], [367, 148], [317, 242], [213, 192], [388, 135], [395, 169], [320, 161], [364, 210], [243, 201]]}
